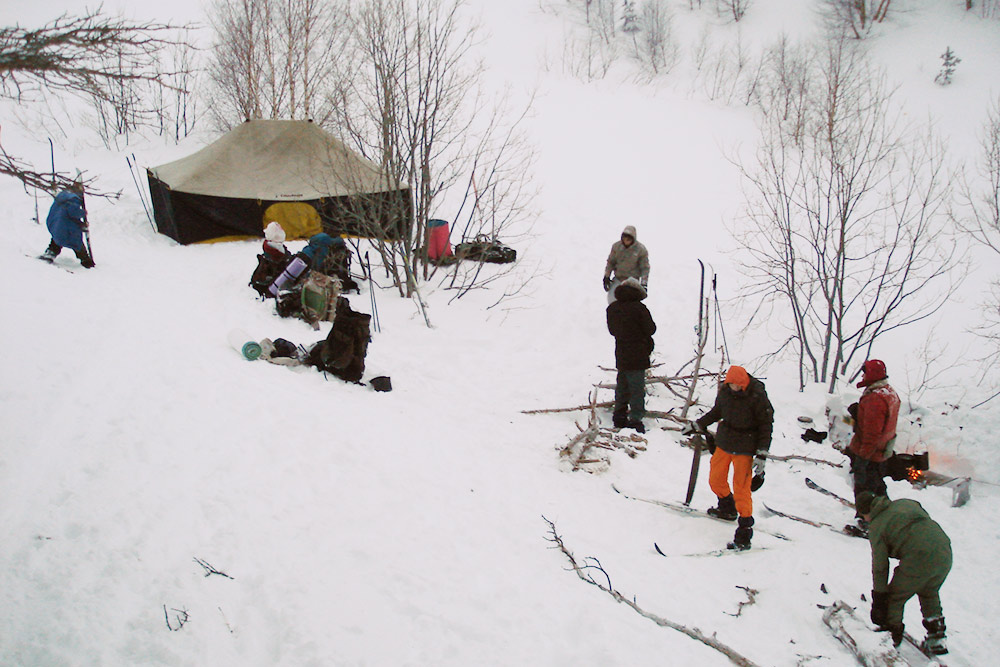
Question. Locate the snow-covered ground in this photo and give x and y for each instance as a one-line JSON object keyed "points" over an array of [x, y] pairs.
{"points": [[410, 527]]}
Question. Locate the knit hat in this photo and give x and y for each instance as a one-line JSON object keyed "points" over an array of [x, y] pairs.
{"points": [[738, 375], [863, 503], [274, 232], [874, 370]]}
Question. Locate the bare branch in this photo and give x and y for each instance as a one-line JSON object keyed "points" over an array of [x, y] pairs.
{"points": [[584, 572]]}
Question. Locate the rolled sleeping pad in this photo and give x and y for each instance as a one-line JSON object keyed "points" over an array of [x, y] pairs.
{"points": [[291, 272]]}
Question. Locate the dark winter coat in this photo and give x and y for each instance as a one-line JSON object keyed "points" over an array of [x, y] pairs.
{"points": [[902, 529], [747, 419], [632, 326], [878, 411], [67, 219]]}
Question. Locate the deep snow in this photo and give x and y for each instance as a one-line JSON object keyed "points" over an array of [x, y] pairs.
{"points": [[406, 528]]}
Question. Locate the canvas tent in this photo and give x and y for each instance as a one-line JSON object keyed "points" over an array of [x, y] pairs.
{"points": [[288, 171]]}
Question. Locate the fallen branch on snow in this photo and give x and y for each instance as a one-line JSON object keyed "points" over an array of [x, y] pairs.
{"points": [[591, 563], [751, 598]]}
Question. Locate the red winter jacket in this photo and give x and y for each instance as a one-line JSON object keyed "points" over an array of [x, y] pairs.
{"points": [[878, 411]]}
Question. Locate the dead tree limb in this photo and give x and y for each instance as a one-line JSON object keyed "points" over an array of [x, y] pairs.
{"points": [[751, 599], [181, 617], [796, 457], [210, 569], [578, 450], [591, 565]]}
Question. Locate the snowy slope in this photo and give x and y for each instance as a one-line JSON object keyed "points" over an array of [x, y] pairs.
{"points": [[406, 528]]}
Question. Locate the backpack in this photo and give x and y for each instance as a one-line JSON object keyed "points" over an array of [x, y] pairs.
{"points": [[344, 350], [318, 294], [268, 268], [338, 263], [483, 249]]}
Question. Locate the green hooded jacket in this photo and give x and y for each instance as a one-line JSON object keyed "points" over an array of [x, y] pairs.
{"points": [[902, 529]]}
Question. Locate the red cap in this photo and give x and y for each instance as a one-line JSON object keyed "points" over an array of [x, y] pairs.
{"points": [[874, 370]]}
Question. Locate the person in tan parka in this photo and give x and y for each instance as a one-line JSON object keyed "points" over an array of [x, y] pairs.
{"points": [[628, 259]]}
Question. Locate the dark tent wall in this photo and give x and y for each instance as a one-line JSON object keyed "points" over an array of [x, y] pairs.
{"points": [[289, 171], [192, 218]]}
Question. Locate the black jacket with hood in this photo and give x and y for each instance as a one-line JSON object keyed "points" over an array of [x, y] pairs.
{"points": [[632, 326]]}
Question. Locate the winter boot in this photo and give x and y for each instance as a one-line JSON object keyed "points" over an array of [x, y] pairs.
{"points": [[85, 258], [744, 533], [935, 644], [50, 253], [725, 510], [637, 425], [619, 420], [896, 631]]}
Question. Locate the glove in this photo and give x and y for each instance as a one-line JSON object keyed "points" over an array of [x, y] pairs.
{"points": [[880, 608], [758, 464], [607, 283], [690, 428], [645, 287]]}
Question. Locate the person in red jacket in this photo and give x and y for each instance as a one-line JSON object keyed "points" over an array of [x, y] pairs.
{"points": [[874, 430]]}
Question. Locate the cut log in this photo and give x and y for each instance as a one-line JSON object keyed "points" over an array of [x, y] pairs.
{"points": [[872, 649]]}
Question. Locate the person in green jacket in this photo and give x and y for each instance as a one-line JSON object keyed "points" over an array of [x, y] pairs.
{"points": [[903, 530]]}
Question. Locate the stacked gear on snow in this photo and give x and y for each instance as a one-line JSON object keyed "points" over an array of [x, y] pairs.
{"points": [[343, 351], [485, 249]]}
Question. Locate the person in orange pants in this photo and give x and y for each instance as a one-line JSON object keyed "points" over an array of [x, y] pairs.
{"points": [[744, 436]]}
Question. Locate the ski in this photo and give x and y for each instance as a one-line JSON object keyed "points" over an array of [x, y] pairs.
{"points": [[691, 511], [50, 262], [846, 530], [816, 487], [714, 552]]}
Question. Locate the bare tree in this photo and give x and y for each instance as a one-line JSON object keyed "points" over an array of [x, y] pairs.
{"points": [[658, 49], [275, 59], [978, 215], [845, 218], [91, 56], [855, 17], [736, 9], [415, 108]]}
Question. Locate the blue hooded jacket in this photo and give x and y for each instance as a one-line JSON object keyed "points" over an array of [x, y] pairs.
{"points": [[66, 220], [319, 246]]}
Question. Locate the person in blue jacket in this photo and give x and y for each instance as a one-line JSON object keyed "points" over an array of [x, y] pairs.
{"points": [[67, 221]]}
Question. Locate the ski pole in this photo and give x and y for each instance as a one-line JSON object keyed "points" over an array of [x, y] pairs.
{"points": [[371, 292], [86, 221], [141, 199]]}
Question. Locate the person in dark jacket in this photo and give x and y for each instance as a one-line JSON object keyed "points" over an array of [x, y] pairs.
{"points": [[67, 221], [874, 429], [741, 443], [902, 529], [632, 326]]}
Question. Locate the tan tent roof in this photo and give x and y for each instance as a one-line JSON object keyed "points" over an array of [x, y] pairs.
{"points": [[293, 160]]}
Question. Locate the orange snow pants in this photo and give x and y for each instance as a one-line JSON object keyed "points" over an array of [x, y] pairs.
{"points": [[718, 478]]}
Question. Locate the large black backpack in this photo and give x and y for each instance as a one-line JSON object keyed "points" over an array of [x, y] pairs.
{"points": [[268, 268], [344, 350]]}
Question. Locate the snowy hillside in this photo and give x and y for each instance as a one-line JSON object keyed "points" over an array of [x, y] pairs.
{"points": [[349, 527]]}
